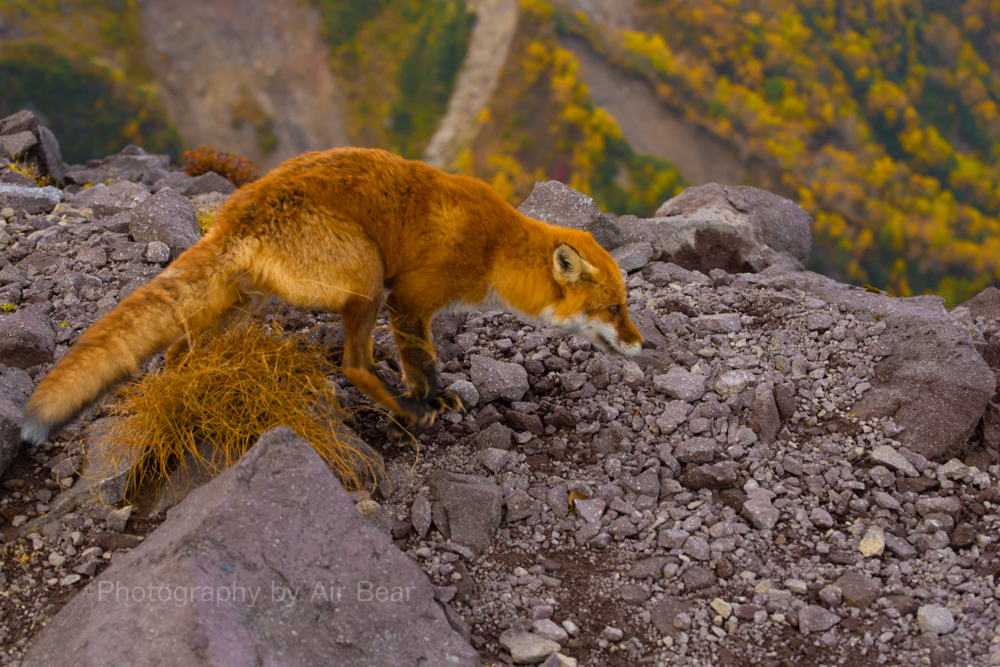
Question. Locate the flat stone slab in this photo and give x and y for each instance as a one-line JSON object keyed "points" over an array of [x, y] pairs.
{"points": [[816, 619], [467, 509], [498, 379], [695, 450], [719, 323], [33, 200], [118, 197], [680, 384], [527, 648], [758, 510], [892, 459], [858, 590]]}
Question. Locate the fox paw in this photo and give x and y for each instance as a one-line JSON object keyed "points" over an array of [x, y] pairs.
{"points": [[446, 401], [399, 436], [421, 414], [427, 411]]}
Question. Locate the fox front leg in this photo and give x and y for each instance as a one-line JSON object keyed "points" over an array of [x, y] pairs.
{"points": [[418, 358]]}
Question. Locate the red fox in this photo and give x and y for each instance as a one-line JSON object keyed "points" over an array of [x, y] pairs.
{"points": [[336, 230]]}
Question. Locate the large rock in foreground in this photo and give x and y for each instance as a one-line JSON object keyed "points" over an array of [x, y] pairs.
{"points": [[269, 564]]}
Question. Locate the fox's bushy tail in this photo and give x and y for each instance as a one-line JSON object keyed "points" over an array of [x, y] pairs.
{"points": [[191, 294]]}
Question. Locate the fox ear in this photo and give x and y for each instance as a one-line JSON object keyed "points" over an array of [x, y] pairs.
{"points": [[568, 266]]}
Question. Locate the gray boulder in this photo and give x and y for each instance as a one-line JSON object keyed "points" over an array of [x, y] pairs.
{"points": [[176, 180], [757, 509], [23, 138], [166, 217], [26, 338], [735, 228], [134, 159], [858, 590], [467, 508], [695, 450], [633, 256], [498, 379], [814, 618], [51, 154], [11, 177], [32, 199], [718, 476], [17, 145], [558, 204], [931, 379], [118, 197], [85, 198], [662, 274], [494, 436], [15, 387], [270, 563], [22, 121], [207, 183], [678, 383]]}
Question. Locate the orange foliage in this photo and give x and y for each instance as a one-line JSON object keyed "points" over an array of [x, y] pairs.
{"points": [[236, 169]]}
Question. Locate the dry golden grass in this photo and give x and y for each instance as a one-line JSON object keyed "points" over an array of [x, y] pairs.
{"points": [[226, 391]]}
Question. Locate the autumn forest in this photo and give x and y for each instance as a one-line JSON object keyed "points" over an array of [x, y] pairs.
{"points": [[880, 117]]}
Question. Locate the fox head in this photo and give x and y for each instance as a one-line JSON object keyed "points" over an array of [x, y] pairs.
{"points": [[593, 303]]}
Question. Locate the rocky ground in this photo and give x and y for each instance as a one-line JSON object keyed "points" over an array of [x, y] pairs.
{"points": [[796, 473]]}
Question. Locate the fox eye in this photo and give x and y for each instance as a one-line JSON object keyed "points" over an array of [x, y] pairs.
{"points": [[615, 310]]}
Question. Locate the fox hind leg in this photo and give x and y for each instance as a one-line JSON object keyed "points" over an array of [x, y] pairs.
{"points": [[346, 274], [358, 366]]}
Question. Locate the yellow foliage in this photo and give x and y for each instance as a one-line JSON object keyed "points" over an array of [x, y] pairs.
{"points": [[653, 47], [852, 107]]}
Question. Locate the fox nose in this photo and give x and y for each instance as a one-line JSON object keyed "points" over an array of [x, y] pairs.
{"points": [[646, 344]]}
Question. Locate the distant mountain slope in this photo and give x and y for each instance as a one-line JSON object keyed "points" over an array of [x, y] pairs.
{"points": [[476, 82], [652, 127], [249, 76], [541, 124], [397, 61], [882, 119], [81, 68]]}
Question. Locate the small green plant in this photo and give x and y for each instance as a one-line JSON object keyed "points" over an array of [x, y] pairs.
{"points": [[8, 307], [205, 221], [236, 169], [225, 391]]}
